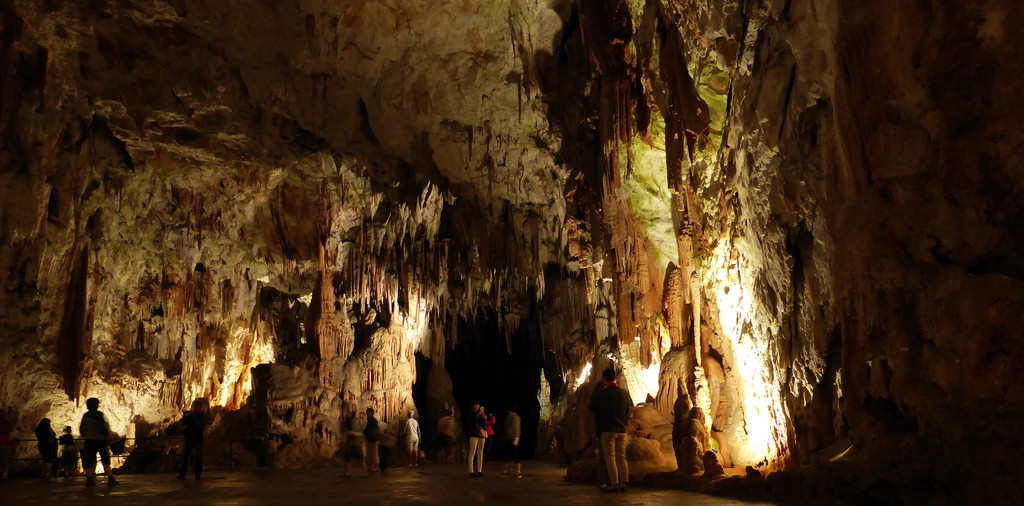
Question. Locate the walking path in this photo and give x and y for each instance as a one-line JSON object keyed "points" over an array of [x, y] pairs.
{"points": [[444, 484]]}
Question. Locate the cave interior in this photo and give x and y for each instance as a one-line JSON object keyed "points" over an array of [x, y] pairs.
{"points": [[802, 216]]}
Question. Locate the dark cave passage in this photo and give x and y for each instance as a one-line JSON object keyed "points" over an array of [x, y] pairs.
{"points": [[482, 369]]}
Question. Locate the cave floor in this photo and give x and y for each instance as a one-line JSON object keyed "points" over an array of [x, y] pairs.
{"points": [[431, 484]]}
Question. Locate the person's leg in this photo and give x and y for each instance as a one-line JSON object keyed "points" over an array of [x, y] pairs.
{"points": [[480, 457], [186, 457], [89, 462], [448, 447], [506, 466], [107, 467], [515, 461], [473, 441], [197, 466], [383, 456], [362, 455], [607, 440], [54, 466], [367, 458], [621, 463], [372, 456], [488, 442], [71, 465], [43, 466], [602, 469]]}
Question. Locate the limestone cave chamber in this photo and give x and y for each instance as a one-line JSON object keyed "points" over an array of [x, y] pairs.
{"points": [[801, 218]]}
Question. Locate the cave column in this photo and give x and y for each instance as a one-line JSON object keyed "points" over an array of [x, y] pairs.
{"points": [[687, 118]]}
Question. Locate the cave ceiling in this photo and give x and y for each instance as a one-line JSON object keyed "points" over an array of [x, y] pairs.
{"points": [[224, 102]]}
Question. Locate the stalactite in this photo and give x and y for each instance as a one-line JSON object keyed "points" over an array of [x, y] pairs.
{"points": [[695, 308], [71, 341]]}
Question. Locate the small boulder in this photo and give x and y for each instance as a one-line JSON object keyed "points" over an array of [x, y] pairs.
{"points": [[644, 450], [712, 467]]}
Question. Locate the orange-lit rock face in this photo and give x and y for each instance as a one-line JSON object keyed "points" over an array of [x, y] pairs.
{"points": [[806, 212]]}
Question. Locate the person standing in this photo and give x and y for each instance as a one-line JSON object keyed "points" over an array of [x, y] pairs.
{"points": [[46, 441], [611, 405], [413, 437], [96, 432], [489, 421], [353, 445], [476, 432], [68, 453], [513, 430], [372, 435], [194, 423], [445, 433]]}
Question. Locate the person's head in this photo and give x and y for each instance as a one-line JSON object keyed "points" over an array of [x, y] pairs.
{"points": [[200, 405], [513, 407], [92, 404], [369, 412], [67, 429], [476, 406], [608, 375], [44, 423], [412, 414]]}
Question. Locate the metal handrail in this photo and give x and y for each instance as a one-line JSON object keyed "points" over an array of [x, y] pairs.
{"points": [[210, 460]]}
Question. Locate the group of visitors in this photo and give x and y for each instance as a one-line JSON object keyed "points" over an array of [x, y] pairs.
{"points": [[365, 443], [363, 440], [479, 427], [95, 433]]}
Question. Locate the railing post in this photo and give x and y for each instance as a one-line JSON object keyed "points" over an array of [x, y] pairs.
{"points": [[231, 460]]}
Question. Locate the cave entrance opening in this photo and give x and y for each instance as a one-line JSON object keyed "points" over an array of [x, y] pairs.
{"points": [[483, 368]]}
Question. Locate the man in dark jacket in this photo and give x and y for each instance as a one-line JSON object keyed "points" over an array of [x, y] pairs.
{"points": [[194, 423], [611, 405], [372, 436], [96, 432]]}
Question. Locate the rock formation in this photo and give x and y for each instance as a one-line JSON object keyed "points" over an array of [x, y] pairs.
{"points": [[690, 449], [712, 467]]}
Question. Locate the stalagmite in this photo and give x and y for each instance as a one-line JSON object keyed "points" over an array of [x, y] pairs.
{"points": [[673, 305], [680, 422], [331, 338]]}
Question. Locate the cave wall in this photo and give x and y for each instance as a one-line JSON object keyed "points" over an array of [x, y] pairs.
{"points": [[869, 158], [851, 191]]}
